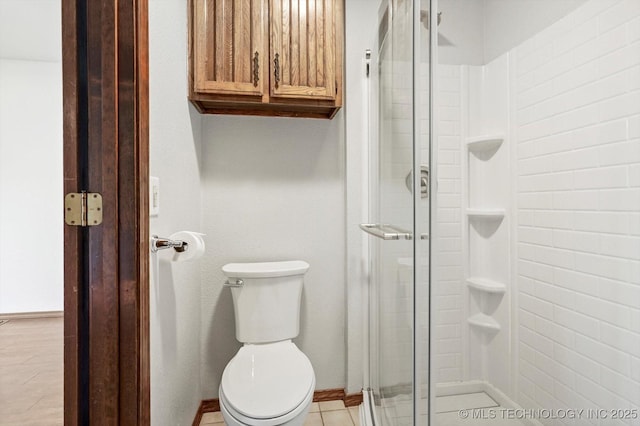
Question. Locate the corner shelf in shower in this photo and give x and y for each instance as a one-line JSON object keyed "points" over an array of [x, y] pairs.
{"points": [[484, 322], [486, 285], [484, 143], [486, 213]]}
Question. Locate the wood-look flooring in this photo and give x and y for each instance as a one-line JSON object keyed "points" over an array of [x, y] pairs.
{"points": [[31, 372]]}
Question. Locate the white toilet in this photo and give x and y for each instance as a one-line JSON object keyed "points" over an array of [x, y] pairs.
{"points": [[269, 381]]}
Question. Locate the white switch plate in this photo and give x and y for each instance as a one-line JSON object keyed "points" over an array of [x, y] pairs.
{"points": [[154, 196]]}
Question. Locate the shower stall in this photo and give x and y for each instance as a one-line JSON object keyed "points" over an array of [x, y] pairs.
{"points": [[504, 190]]}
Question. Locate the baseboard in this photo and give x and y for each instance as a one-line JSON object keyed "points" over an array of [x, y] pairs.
{"points": [[210, 405], [213, 405], [32, 315], [206, 406], [353, 400], [198, 418], [329, 395]]}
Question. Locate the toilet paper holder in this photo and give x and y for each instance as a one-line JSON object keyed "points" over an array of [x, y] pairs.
{"points": [[159, 243]]}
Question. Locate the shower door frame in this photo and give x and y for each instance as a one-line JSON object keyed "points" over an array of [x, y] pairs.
{"points": [[420, 246], [417, 392]]}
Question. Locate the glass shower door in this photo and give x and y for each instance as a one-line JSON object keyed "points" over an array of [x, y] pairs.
{"points": [[400, 222]]}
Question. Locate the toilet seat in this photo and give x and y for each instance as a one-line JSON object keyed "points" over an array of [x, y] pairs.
{"points": [[265, 382], [294, 417]]}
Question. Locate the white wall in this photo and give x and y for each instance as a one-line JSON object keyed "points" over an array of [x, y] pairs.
{"points": [[507, 23], [475, 32], [273, 189], [578, 130], [31, 197], [30, 30], [174, 158], [461, 32]]}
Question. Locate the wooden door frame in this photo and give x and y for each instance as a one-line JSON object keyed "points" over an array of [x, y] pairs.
{"points": [[106, 150]]}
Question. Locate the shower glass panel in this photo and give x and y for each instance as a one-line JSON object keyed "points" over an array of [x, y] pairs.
{"points": [[399, 191]]}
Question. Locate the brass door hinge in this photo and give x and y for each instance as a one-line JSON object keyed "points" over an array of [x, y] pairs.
{"points": [[83, 209]]}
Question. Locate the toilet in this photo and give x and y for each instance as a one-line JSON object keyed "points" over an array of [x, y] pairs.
{"points": [[269, 381]]}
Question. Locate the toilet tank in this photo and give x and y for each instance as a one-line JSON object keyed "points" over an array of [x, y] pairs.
{"points": [[267, 304]]}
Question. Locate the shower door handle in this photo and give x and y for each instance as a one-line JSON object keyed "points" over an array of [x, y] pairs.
{"points": [[389, 232], [386, 232]]}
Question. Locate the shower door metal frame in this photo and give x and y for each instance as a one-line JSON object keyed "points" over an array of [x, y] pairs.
{"points": [[419, 244], [434, 21]]}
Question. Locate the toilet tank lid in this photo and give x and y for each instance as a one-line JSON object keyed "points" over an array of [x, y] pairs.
{"points": [[265, 269]]}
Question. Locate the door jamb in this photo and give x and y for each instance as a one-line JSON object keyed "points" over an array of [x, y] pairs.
{"points": [[106, 150]]}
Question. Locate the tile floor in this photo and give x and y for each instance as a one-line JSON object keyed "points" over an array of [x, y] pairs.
{"points": [[31, 372], [330, 413]]}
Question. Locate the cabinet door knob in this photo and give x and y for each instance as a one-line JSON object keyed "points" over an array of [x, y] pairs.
{"points": [[276, 69], [256, 69]]}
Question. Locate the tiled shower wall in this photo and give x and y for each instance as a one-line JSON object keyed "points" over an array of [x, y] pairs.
{"points": [[577, 124], [448, 290]]}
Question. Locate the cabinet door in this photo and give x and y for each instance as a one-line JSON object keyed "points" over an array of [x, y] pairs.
{"points": [[303, 49], [229, 46]]}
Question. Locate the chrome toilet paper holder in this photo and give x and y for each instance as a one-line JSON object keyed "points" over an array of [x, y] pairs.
{"points": [[159, 243]]}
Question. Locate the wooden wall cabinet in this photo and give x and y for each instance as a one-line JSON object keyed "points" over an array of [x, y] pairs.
{"points": [[266, 57]]}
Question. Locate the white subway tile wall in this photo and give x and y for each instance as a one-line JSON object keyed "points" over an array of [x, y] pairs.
{"points": [[448, 271], [578, 176]]}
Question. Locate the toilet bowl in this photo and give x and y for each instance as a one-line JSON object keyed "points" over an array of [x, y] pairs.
{"points": [[267, 384], [269, 381]]}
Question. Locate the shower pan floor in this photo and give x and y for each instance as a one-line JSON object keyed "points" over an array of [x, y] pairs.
{"points": [[464, 401], [477, 408], [472, 405]]}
